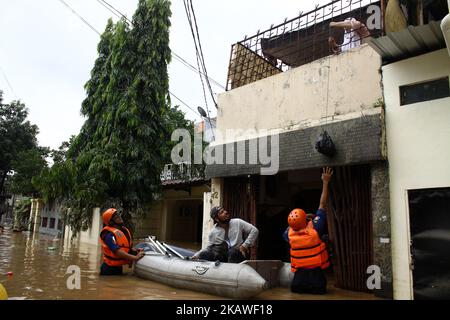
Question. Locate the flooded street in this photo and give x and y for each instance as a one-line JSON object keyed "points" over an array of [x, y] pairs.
{"points": [[39, 264]]}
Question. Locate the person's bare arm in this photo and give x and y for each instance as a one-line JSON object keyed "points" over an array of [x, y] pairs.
{"points": [[353, 24], [124, 255], [326, 177]]}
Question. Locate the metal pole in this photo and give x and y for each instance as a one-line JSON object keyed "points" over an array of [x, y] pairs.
{"points": [[155, 245], [173, 251], [163, 249]]}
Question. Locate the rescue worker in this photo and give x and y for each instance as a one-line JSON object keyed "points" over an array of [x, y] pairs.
{"points": [[117, 244], [309, 256]]}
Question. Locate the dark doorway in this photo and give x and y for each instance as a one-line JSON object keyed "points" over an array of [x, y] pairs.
{"points": [[429, 212], [277, 196]]}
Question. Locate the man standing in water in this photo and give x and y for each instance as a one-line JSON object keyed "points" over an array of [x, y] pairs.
{"points": [[117, 244], [229, 240]]}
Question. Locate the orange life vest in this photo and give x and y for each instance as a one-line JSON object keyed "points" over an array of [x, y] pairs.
{"points": [[123, 240], [307, 249]]}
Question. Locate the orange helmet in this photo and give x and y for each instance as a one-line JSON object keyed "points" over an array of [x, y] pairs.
{"points": [[107, 215], [297, 219]]}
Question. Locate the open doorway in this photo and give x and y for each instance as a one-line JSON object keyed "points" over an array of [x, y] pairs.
{"points": [[278, 195], [429, 212], [349, 219]]}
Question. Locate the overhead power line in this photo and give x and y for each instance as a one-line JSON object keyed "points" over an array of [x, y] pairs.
{"points": [[8, 83], [196, 112], [199, 49], [79, 16], [109, 9], [119, 14]]}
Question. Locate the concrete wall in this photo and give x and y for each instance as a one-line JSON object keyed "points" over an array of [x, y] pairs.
{"points": [[418, 151], [211, 199], [159, 219], [90, 236], [381, 218], [52, 212], [298, 98], [207, 221], [151, 224]]}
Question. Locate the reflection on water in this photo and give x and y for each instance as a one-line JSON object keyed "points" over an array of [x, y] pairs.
{"points": [[39, 264]]}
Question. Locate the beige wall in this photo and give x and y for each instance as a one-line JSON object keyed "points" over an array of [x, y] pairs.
{"points": [[90, 236], [151, 224], [211, 199], [298, 98], [418, 151], [159, 220], [207, 222]]}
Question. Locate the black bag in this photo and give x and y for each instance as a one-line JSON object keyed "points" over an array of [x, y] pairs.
{"points": [[325, 145]]}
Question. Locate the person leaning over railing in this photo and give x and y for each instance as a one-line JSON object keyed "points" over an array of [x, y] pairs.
{"points": [[354, 33]]}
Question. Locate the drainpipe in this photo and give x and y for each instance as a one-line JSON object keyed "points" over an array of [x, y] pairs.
{"points": [[445, 26]]}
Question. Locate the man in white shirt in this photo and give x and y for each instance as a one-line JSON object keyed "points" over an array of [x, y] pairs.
{"points": [[354, 32], [229, 240]]}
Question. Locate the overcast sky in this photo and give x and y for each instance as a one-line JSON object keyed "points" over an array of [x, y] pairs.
{"points": [[47, 52]]}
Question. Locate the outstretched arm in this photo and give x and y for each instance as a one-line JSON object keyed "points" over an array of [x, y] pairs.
{"points": [[347, 24], [326, 177]]}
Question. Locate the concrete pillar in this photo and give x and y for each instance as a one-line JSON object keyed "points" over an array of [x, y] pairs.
{"points": [[381, 216], [216, 191], [32, 215], [207, 222], [211, 199], [38, 211]]}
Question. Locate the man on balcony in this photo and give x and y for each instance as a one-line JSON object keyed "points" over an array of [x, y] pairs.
{"points": [[354, 33]]}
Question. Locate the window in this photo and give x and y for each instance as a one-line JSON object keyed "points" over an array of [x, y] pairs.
{"points": [[425, 91], [44, 222], [52, 223], [60, 224]]}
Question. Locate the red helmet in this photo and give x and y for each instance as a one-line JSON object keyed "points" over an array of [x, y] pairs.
{"points": [[107, 215], [297, 219]]}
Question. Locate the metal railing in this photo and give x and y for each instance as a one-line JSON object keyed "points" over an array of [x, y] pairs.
{"points": [[302, 40], [182, 172]]}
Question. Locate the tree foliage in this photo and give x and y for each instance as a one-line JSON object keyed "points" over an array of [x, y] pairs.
{"points": [[117, 157], [20, 156]]}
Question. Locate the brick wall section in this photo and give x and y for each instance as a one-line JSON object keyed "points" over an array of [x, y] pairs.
{"points": [[357, 141]]}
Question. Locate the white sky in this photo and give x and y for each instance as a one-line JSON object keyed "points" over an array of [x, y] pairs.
{"points": [[47, 52]]}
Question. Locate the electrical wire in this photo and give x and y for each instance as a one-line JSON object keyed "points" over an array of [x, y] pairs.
{"points": [[9, 83], [79, 16], [116, 12]]}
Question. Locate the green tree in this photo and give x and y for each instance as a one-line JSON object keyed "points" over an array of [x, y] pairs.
{"points": [[29, 164], [17, 136], [117, 157]]}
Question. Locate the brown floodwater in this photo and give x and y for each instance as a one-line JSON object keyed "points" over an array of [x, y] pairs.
{"points": [[39, 264]]}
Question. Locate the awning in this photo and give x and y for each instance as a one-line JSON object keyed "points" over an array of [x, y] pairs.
{"points": [[411, 41]]}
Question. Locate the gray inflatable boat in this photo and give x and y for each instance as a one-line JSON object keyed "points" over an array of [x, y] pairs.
{"points": [[172, 266]]}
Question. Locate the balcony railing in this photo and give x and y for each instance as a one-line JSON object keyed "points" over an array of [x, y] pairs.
{"points": [[300, 40], [181, 173]]}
